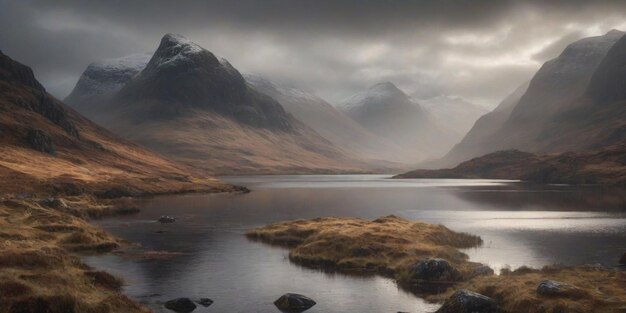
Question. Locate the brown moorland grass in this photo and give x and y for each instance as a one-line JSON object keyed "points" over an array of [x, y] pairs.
{"points": [[597, 289], [38, 271], [387, 245]]}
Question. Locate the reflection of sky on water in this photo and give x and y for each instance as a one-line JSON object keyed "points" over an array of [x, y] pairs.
{"points": [[520, 225]]}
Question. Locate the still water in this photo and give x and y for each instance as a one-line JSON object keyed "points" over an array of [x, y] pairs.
{"points": [[520, 224]]}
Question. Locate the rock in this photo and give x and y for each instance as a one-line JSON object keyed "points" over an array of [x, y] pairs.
{"points": [[166, 219], [205, 302], [56, 203], [622, 261], [433, 270], [293, 302], [180, 305], [551, 288], [40, 141], [465, 301], [482, 270]]}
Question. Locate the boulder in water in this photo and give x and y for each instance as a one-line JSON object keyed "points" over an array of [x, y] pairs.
{"points": [[165, 219], [180, 305], [465, 301], [205, 302], [293, 302]]}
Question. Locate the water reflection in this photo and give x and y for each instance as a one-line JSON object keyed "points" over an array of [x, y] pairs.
{"points": [[520, 224]]}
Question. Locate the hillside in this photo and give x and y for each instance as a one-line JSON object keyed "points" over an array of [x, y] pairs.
{"points": [[197, 108], [49, 148], [550, 106], [604, 166]]}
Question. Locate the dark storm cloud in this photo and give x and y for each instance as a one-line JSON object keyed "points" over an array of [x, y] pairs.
{"points": [[479, 50]]}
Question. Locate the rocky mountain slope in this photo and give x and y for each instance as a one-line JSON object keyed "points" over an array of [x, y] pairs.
{"points": [[388, 112], [197, 108], [537, 121], [102, 79], [49, 148], [329, 122], [604, 166]]}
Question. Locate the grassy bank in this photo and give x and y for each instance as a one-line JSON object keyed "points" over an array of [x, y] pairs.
{"points": [[387, 245], [393, 246]]}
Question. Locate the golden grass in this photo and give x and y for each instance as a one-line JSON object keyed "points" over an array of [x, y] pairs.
{"points": [[38, 273], [387, 245], [597, 290]]}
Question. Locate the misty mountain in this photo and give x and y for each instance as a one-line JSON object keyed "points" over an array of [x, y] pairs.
{"points": [[544, 112], [102, 79], [47, 147], [459, 114], [195, 107], [329, 122], [388, 112]]}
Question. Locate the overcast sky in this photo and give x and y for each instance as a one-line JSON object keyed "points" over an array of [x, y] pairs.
{"points": [[478, 50]]}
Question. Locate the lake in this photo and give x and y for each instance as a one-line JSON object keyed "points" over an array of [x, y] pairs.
{"points": [[520, 224]]}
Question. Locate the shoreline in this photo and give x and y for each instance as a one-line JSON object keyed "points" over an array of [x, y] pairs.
{"points": [[43, 240]]}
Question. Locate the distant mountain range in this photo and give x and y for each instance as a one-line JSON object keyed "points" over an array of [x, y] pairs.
{"points": [[389, 112], [559, 110], [197, 108], [48, 148]]}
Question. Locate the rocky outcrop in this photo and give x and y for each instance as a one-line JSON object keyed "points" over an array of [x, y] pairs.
{"points": [[465, 301], [180, 305], [40, 141], [434, 270], [14, 77], [293, 302], [551, 288]]}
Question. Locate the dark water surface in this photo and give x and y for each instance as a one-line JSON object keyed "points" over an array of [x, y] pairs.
{"points": [[520, 224]]}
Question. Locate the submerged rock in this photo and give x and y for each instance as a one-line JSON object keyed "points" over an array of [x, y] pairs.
{"points": [[434, 270], [166, 219], [465, 301], [551, 288], [293, 302], [205, 302], [622, 261], [181, 305]]}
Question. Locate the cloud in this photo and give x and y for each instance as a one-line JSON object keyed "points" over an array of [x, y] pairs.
{"points": [[479, 50]]}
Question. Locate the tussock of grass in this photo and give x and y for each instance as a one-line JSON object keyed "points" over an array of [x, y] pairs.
{"points": [[596, 290], [38, 272], [386, 245]]}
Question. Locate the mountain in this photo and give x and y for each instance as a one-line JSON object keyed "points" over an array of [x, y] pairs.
{"points": [[603, 166], [197, 108], [48, 148], [102, 79], [458, 114], [478, 138], [329, 122], [537, 121], [388, 112]]}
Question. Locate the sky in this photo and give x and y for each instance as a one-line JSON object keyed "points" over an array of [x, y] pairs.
{"points": [[478, 50]]}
